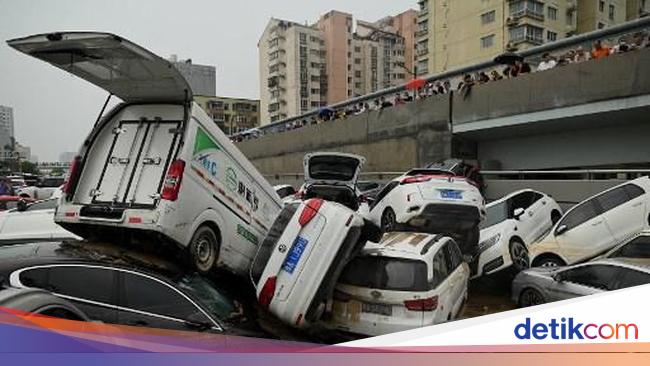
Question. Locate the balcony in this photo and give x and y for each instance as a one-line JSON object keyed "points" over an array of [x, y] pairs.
{"points": [[421, 32], [527, 13], [421, 51]]}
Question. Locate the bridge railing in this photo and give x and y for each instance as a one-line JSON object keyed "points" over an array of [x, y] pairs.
{"points": [[611, 35]]}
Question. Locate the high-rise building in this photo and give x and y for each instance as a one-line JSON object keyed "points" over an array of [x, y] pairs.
{"points": [[292, 70], [6, 123], [67, 156], [598, 14], [304, 67], [451, 34], [202, 78], [637, 9], [232, 115]]}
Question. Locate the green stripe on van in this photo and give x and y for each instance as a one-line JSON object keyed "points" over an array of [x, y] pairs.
{"points": [[203, 141]]}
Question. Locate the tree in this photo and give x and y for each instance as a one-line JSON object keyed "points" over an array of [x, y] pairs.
{"points": [[28, 167], [57, 172]]}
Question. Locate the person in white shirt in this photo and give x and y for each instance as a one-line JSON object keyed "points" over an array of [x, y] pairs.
{"points": [[548, 62]]}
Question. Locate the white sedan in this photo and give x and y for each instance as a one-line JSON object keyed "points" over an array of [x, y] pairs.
{"points": [[408, 280], [432, 201], [33, 222], [512, 223]]}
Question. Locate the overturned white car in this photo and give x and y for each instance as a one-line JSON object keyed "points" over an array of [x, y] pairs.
{"points": [[432, 201]]}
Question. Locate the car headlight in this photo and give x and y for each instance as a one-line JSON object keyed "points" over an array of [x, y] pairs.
{"points": [[488, 243]]}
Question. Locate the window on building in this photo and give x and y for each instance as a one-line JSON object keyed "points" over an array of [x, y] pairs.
{"points": [[612, 12], [527, 33], [304, 104], [601, 25], [551, 36], [487, 41], [487, 18], [357, 61], [303, 38], [357, 49], [533, 8], [552, 13], [601, 6]]}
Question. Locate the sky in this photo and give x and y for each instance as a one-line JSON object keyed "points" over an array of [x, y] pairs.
{"points": [[54, 111]]}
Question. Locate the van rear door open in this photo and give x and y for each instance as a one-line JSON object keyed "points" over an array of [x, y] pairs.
{"points": [[137, 152]]}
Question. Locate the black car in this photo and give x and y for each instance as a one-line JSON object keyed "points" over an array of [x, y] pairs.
{"points": [[40, 302], [118, 285]]}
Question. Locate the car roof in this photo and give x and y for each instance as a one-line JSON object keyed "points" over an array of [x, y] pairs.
{"points": [[405, 244], [46, 253], [642, 264], [512, 194]]}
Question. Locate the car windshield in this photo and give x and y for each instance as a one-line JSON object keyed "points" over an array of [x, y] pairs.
{"points": [[205, 292], [386, 273], [495, 214], [333, 167], [637, 248]]}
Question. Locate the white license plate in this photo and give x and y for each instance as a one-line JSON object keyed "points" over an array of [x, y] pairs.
{"points": [[381, 309]]}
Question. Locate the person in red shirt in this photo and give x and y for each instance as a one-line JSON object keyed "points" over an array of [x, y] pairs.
{"points": [[600, 50]]}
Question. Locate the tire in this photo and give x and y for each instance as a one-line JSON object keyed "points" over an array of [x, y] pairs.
{"points": [[549, 261], [555, 217], [388, 220], [530, 297], [204, 249], [519, 255]]}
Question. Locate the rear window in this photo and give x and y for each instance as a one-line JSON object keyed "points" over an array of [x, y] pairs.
{"points": [[268, 244], [386, 274], [332, 167]]}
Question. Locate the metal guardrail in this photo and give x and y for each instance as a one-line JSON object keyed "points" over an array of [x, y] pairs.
{"points": [[577, 40], [589, 173]]}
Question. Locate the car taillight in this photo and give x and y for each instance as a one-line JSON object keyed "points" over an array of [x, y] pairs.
{"points": [[309, 212], [268, 291], [73, 176], [173, 180], [428, 304], [416, 179]]}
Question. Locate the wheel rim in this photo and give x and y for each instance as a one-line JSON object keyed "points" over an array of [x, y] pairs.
{"points": [[204, 252], [531, 297], [519, 256], [389, 220]]}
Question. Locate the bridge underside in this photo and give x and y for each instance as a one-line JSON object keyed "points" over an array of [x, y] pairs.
{"points": [[607, 133]]}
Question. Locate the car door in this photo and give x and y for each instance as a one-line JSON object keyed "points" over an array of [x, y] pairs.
{"points": [[453, 257], [91, 288], [441, 285], [582, 280], [624, 210], [380, 203], [146, 301], [582, 233], [526, 223]]}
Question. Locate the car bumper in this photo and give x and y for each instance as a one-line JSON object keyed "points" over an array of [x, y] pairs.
{"points": [[443, 217]]}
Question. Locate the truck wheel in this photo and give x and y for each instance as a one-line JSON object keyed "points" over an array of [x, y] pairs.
{"points": [[204, 249]]}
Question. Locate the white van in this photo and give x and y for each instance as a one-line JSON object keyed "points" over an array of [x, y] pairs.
{"points": [[156, 164]]}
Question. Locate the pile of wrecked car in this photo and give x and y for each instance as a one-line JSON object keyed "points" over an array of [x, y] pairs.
{"points": [[367, 260]]}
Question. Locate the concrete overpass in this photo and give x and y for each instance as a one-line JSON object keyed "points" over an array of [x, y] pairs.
{"points": [[592, 114]]}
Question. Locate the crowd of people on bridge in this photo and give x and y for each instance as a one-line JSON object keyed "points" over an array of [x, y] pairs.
{"points": [[518, 67]]}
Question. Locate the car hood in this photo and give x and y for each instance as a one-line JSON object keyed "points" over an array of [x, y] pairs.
{"points": [[110, 62], [332, 168], [493, 230]]}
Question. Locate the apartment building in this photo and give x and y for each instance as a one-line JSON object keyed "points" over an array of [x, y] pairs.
{"points": [[232, 115], [304, 67], [292, 70], [451, 34], [637, 9], [598, 14], [202, 78]]}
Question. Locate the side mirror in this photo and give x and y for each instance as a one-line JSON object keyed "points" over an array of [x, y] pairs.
{"points": [[561, 230], [518, 213]]}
